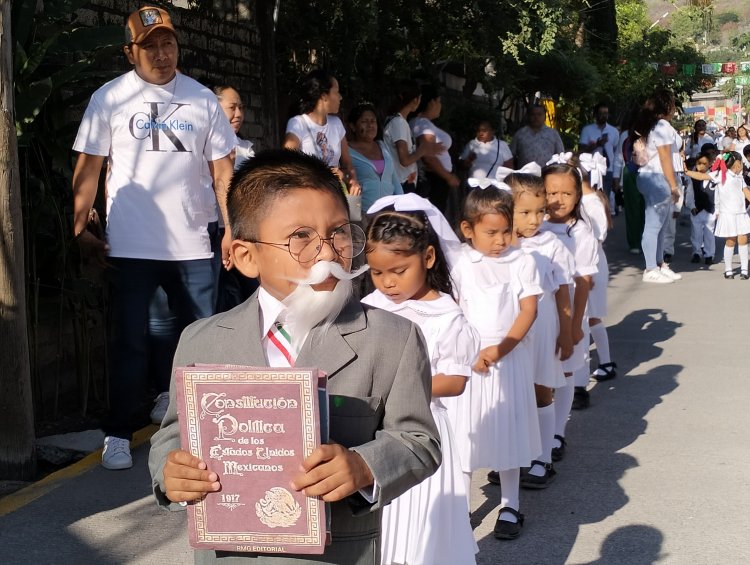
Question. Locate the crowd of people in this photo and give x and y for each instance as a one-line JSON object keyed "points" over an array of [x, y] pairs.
{"points": [[494, 258]]}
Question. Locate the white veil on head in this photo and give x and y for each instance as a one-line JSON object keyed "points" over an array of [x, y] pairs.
{"points": [[449, 242]]}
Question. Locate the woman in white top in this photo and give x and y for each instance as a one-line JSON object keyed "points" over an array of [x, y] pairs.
{"points": [[657, 180], [318, 131], [441, 181], [485, 153], [697, 139], [741, 142], [397, 136]]}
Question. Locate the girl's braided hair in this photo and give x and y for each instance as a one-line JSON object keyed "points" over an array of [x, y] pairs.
{"points": [[413, 230]]}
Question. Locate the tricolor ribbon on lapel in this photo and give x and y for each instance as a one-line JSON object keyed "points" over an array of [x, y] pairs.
{"points": [[560, 158], [595, 164], [532, 168], [486, 183]]}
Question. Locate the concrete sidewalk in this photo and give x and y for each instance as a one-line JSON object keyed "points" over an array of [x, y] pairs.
{"points": [[655, 469]]}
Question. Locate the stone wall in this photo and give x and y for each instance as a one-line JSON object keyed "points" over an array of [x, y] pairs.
{"points": [[214, 50]]}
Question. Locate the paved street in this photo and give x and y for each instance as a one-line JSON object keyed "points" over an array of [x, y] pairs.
{"points": [[655, 469]]}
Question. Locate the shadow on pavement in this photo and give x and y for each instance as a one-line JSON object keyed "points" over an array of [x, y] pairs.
{"points": [[632, 545], [587, 490], [99, 517]]}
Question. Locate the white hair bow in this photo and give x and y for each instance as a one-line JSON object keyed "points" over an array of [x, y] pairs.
{"points": [[532, 168], [596, 165], [560, 158], [484, 183], [414, 203]]}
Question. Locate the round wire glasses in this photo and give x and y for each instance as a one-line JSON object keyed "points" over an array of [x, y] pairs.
{"points": [[305, 244]]}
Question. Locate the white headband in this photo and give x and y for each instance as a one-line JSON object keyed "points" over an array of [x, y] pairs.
{"points": [[596, 165], [484, 183], [414, 203], [532, 168], [560, 158]]}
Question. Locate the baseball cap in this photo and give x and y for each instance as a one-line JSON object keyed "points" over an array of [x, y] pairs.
{"points": [[144, 21]]}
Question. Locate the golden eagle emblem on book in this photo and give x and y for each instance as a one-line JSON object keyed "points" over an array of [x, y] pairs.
{"points": [[278, 509]]}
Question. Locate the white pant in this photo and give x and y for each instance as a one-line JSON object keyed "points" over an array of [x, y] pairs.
{"points": [[702, 233]]}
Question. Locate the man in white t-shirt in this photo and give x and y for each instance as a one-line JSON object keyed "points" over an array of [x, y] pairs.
{"points": [[601, 137], [157, 130]]}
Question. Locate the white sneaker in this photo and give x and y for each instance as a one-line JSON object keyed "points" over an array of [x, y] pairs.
{"points": [[116, 454], [161, 403], [665, 270], [656, 276]]}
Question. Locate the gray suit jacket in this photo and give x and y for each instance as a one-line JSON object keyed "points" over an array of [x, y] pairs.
{"points": [[377, 364]]}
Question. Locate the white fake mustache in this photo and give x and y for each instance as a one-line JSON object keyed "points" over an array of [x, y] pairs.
{"points": [[321, 270]]}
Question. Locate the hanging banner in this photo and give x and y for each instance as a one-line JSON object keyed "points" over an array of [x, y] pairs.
{"points": [[717, 68], [708, 69], [745, 67], [688, 70], [654, 66], [742, 80], [729, 68], [668, 69]]}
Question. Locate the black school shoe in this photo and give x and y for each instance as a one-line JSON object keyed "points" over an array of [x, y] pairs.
{"points": [[728, 275], [559, 452], [667, 258], [709, 260], [696, 258], [605, 372], [508, 530], [744, 276], [493, 477], [581, 398], [533, 481]]}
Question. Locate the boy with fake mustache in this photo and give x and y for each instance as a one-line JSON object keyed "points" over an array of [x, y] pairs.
{"points": [[290, 227]]}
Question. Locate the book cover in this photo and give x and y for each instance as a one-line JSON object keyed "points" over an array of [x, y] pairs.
{"points": [[253, 428]]}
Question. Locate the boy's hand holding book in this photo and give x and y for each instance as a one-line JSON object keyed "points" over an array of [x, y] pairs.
{"points": [[333, 472], [187, 478]]}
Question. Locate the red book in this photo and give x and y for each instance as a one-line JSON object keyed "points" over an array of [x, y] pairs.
{"points": [[253, 428]]}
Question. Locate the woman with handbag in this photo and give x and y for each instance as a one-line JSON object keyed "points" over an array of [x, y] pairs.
{"points": [[485, 153], [656, 145]]}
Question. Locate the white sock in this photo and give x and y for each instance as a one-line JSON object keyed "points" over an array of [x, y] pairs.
{"points": [[510, 483], [467, 482], [562, 404], [743, 259], [601, 341], [728, 254], [581, 375], [547, 431]]}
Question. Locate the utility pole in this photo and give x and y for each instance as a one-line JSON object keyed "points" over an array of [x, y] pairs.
{"points": [[17, 460]]}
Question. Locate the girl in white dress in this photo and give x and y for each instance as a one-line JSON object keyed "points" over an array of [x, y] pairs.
{"points": [[563, 186], [596, 213], [551, 339], [732, 221], [498, 287], [429, 524]]}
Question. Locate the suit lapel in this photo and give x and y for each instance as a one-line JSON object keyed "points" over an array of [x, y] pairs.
{"points": [[328, 350], [245, 321]]}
